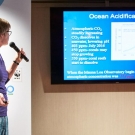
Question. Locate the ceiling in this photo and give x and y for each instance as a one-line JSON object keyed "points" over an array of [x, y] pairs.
{"points": [[84, 1]]}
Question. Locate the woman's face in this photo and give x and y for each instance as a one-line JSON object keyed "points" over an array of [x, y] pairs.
{"points": [[4, 38]]}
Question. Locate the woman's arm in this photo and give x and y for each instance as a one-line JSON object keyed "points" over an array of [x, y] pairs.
{"points": [[15, 64]]}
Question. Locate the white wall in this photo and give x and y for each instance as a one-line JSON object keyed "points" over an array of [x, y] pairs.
{"points": [[18, 13]]}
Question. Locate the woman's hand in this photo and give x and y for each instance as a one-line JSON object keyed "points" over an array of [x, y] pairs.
{"points": [[2, 99]]}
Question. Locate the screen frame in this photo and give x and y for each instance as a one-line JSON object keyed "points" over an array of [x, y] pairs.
{"points": [[56, 45]]}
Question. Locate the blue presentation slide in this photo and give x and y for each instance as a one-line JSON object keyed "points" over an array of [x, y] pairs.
{"points": [[99, 45]]}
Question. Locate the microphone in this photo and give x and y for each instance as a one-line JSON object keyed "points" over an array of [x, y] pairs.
{"points": [[12, 45]]}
